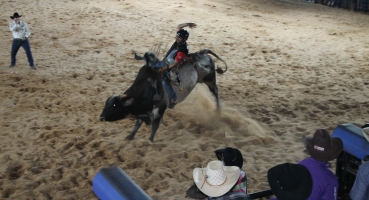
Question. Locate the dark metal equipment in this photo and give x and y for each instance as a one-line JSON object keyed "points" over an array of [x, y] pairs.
{"points": [[355, 149], [346, 169], [261, 194]]}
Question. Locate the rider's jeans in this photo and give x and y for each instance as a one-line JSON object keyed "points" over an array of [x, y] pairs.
{"points": [[168, 87]]}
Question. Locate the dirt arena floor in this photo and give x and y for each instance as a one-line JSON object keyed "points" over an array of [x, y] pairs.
{"points": [[294, 67]]}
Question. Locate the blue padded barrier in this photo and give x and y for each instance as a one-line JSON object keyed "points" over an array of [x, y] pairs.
{"points": [[112, 183], [353, 140]]}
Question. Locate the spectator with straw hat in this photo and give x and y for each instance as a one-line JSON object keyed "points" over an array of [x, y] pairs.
{"points": [[216, 181], [229, 157]]}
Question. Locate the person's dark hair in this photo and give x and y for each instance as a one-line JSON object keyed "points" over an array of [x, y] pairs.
{"points": [[183, 34]]}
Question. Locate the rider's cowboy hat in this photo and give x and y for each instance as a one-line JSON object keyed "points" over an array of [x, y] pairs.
{"points": [[15, 15], [322, 147], [290, 181], [216, 179], [230, 156]]}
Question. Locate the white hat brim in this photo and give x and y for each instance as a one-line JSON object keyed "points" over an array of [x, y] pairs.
{"points": [[232, 172]]}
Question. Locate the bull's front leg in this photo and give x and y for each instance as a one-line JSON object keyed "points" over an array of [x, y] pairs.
{"points": [[135, 129], [159, 115]]}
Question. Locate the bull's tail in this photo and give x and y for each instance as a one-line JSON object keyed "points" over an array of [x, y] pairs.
{"points": [[219, 70]]}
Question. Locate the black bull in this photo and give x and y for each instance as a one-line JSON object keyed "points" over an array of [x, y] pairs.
{"points": [[141, 99]]}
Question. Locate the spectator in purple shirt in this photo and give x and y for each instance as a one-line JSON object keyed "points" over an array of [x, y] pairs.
{"points": [[322, 149]]}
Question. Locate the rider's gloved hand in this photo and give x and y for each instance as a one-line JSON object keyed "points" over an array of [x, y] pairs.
{"points": [[158, 65], [170, 61], [161, 65]]}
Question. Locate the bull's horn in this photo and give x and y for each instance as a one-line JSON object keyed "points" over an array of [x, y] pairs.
{"points": [[122, 96], [137, 57]]}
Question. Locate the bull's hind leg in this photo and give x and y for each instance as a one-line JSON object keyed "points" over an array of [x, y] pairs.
{"points": [[214, 90], [135, 129]]}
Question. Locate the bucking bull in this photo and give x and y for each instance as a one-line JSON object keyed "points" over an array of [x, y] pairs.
{"points": [[143, 102]]}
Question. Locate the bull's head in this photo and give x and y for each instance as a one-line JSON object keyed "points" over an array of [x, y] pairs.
{"points": [[116, 108], [150, 58]]}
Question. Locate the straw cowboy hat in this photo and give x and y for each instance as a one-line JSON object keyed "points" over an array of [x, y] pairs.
{"points": [[216, 179], [290, 181], [322, 147], [15, 15], [230, 156]]}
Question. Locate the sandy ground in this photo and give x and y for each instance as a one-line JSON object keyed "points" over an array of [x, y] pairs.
{"points": [[294, 67]]}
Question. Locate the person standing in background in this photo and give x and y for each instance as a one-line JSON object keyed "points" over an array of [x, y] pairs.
{"points": [[21, 32]]}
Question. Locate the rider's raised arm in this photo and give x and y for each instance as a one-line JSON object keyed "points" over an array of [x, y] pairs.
{"points": [[191, 25]]}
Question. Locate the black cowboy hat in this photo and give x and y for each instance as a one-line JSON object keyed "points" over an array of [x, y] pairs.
{"points": [[322, 147], [230, 156], [290, 181], [15, 15]]}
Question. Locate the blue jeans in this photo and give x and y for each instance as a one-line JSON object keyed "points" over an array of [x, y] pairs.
{"points": [[17, 43], [166, 80], [168, 87]]}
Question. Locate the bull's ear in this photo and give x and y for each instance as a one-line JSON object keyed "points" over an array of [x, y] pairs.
{"points": [[129, 102]]}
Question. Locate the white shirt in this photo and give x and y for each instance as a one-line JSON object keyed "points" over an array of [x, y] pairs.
{"points": [[19, 30]]}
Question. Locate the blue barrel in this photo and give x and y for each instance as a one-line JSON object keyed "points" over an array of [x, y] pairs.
{"points": [[353, 140], [112, 183]]}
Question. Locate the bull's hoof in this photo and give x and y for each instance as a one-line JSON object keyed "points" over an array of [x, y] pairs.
{"points": [[129, 138], [151, 140]]}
